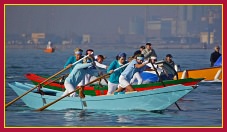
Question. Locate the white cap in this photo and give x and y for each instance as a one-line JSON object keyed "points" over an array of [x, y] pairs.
{"points": [[153, 57], [96, 56]]}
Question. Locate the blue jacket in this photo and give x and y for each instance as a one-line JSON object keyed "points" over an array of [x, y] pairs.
{"points": [[114, 77], [78, 73], [71, 60]]}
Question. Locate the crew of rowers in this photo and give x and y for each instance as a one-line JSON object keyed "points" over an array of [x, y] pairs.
{"points": [[119, 80]]}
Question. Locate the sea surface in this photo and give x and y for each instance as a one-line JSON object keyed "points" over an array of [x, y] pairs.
{"points": [[200, 108]]}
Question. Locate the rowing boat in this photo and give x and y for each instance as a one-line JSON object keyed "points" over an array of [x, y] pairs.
{"points": [[96, 89], [209, 74], [148, 100]]}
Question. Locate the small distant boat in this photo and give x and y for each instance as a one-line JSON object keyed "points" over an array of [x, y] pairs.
{"points": [[49, 48], [149, 100]]}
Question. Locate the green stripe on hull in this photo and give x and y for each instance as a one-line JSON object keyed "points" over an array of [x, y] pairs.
{"points": [[96, 89]]}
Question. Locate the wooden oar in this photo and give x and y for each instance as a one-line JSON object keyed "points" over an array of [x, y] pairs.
{"points": [[44, 81], [100, 74], [155, 69], [44, 107], [106, 80], [163, 83]]}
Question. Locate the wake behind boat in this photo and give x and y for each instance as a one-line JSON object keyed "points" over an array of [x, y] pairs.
{"points": [[149, 100]]}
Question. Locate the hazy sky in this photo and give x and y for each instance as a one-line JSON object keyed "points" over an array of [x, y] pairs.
{"points": [[64, 20]]}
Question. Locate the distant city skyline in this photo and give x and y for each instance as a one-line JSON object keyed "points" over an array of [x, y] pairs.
{"points": [[114, 23], [66, 20]]}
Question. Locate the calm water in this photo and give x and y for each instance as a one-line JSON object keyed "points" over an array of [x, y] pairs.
{"points": [[202, 107]]}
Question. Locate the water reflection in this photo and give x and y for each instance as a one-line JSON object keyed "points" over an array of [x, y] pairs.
{"points": [[113, 118], [124, 118], [71, 116]]}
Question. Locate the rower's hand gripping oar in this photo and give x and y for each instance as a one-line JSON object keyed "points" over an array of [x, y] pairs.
{"points": [[100, 73], [120, 67], [44, 81], [163, 83], [97, 79]]}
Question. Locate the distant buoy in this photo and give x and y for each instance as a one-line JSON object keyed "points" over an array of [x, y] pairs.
{"points": [[216, 77]]}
